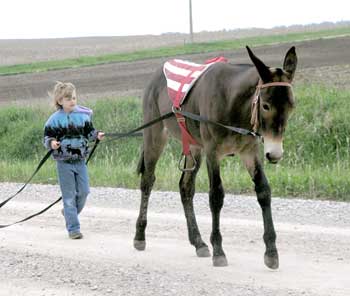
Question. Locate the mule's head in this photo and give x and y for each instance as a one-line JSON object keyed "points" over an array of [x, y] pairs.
{"points": [[275, 102]]}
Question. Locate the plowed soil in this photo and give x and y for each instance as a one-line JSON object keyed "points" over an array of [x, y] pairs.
{"points": [[324, 61]]}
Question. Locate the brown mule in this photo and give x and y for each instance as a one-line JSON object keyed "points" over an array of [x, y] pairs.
{"points": [[251, 97]]}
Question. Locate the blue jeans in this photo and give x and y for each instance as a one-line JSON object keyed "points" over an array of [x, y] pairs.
{"points": [[74, 182]]}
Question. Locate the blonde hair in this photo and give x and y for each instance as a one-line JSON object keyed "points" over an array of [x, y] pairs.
{"points": [[62, 90]]}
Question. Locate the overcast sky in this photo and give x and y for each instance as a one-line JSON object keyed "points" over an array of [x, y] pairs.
{"points": [[75, 18]]}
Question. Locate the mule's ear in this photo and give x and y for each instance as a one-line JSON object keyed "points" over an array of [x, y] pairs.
{"points": [[290, 62], [263, 70]]}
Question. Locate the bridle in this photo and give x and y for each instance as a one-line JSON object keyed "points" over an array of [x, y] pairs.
{"points": [[254, 121]]}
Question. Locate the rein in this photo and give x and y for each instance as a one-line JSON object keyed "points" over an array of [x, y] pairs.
{"points": [[254, 121], [116, 136], [46, 157]]}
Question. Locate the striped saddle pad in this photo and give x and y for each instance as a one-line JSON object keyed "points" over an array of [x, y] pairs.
{"points": [[182, 75]]}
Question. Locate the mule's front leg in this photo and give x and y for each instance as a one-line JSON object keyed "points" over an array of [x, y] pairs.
{"points": [[263, 193], [216, 200], [187, 191]]}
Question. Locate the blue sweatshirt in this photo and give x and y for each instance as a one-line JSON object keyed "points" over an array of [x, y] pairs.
{"points": [[73, 130]]}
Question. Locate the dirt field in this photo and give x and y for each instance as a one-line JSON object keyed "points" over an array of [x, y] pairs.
{"points": [[37, 258], [325, 60], [32, 50]]}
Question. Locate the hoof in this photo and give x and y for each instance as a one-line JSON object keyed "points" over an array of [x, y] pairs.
{"points": [[203, 252], [219, 261], [139, 245], [271, 261]]}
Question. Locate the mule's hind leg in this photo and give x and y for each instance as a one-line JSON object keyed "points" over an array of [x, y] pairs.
{"points": [[263, 193], [187, 191], [154, 142], [216, 200]]}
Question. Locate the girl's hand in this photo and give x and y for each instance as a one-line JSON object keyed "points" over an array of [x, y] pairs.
{"points": [[100, 136], [55, 144]]}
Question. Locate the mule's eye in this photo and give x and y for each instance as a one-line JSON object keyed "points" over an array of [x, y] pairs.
{"points": [[266, 107]]}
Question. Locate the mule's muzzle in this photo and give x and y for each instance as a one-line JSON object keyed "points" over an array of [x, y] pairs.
{"points": [[272, 158], [273, 149]]}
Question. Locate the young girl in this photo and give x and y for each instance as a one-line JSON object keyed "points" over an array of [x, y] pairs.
{"points": [[68, 132]]}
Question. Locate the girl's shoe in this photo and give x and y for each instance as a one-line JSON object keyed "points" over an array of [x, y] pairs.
{"points": [[75, 235]]}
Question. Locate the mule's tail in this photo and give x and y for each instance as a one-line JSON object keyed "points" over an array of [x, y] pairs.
{"points": [[141, 164]]}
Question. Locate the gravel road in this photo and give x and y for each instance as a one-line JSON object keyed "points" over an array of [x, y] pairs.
{"points": [[38, 258]]}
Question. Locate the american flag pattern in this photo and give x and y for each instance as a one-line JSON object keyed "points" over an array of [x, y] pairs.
{"points": [[181, 76]]}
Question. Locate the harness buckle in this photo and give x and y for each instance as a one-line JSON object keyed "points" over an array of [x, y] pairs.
{"points": [[175, 109]]}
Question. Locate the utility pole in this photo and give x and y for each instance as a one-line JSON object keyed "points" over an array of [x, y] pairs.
{"points": [[191, 25]]}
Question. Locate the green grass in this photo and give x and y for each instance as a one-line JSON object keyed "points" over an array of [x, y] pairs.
{"points": [[170, 51], [315, 164]]}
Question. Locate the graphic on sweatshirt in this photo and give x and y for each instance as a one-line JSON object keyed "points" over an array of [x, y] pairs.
{"points": [[73, 130]]}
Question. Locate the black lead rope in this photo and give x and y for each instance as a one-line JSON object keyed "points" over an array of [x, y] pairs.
{"points": [[31, 177], [32, 216], [55, 202], [199, 118], [115, 136]]}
